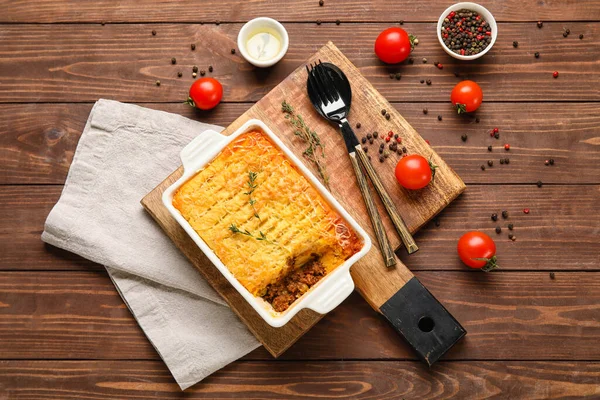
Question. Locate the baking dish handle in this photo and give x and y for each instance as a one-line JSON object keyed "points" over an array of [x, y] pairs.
{"points": [[333, 293], [196, 152]]}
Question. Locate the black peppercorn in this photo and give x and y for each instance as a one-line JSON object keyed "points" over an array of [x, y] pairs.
{"points": [[490, 163], [365, 149], [180, 74], [202, 72], [375, 134], [153, 33], [401, 22], [102, 23], [547, 162], [381, 150], [412, 60], [511, 236], [565, 34], [194, 69], [568, 31], [232, 51], [396, 136], [497, 135], [387, 116], [392, 75], [552, 275], [424, 60], [498, 229], [337, 22], [439, 117], [511, 226], [321, 3], [358, 125], [483, 167], [318, 22], [536, 54], [370, 141], [502, 161], [193, 46], [210, 68], [173, 60], [539, 184], [217, 22], [381, 158], [515, 44], [425, 111], [489, 148], [194, 74], [464, 137], [494, 217], [157, 83], [428, 81], [540, 24], [398, 77], [551, 161], [506, 161], [404, 149], [369, 136], [504, 214], [477, 120], [363, 140], [581, 36], [381, 145], [383, 111], [436, 222]]}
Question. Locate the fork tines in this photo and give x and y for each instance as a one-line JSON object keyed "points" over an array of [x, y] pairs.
{"points": [[322, 83]]}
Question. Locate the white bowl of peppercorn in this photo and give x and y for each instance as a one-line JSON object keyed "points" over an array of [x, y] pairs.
{"points": [[467, 30]]}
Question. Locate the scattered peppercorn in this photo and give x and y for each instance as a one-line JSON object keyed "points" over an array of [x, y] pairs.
{"points": [[436, 222], [102, 23], [539, 184], [422, 81], [392, 75], [536, 54], [157, 83], [489, 148], [540, 24], [321, 3], [395, 136], [398, 77], [425, 111], [547, 162], [513, 238], [416, 42], [565, 34], [173, 60], [337, 22], [568, 31], [424, 60], [511, 226], [370, 141], [551, 161], [401, 22], [456, 74], [555, 74], [153, 33], [381, 150], [510, 236], [387, 139], [490, 163], [483, 167], [210, 68], [440, 66], [411, 60], [439, 117], [318, 22], [581, 36], [369, 136], [507, 147], [464, 137], [232, 51], [494, 217], [497, 135], [193, 46], [363, 140], [202, 72], [194, 68], [381, 158], [375, 134], [526, 210], [552, 275], [504, 214], [502, 161], [194, 74], [383, 111], [404, 150], [515, 44], [358, 125], [217, 22], [498, 229], [477, 120], [506, 161]]}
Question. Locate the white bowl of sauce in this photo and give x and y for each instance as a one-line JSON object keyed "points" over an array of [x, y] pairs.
{"points": [[263, 42]]}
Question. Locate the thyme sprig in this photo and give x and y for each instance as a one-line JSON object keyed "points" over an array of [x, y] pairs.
{"points": [[308, 136], [261, 236], [252, 185]]}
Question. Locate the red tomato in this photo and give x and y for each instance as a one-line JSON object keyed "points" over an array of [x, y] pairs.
{"points": [[414, 172], [466, 96], [393, 45], [477, 250], [205, 93]]}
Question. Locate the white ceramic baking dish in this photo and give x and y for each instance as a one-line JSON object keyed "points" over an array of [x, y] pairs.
{"points": [[324, 296]]}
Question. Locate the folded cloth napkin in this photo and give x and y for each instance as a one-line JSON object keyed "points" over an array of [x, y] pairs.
{"points": [[123, 153]]}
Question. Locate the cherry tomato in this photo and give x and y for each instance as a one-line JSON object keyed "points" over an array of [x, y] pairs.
{"points": [[466, 96], [393, 45], [205, 93], [477, 250], [414, 172]]}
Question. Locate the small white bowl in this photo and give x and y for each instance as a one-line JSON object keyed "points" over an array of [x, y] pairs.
{"points": [[487, 16], [257, 25]]}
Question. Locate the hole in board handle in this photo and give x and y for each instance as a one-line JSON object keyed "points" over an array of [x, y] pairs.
{"points": [[426, 324]]}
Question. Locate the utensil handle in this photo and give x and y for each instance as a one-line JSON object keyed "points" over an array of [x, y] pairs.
{"points": [[384, 242], [405, 235]]}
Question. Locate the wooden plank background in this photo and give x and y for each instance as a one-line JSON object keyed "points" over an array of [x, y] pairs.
{"points": [[65, 333]]}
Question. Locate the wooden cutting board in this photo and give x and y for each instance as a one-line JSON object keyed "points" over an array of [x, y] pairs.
{"points": [[394, 292]]}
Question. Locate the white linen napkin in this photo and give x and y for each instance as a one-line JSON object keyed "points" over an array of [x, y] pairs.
{"points": [[124, 152]]}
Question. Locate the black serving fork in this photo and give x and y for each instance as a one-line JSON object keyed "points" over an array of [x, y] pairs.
{"points": [[331, 94]]}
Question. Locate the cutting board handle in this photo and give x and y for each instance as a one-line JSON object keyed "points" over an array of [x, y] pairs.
{"points": [[422, 321], [198, 151]]}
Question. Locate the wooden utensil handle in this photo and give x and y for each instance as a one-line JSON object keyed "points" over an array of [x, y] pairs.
{"points": [[384, 243], [397, 220]]}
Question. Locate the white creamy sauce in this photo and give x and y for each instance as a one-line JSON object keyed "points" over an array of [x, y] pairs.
{"points": [[263, 46]]}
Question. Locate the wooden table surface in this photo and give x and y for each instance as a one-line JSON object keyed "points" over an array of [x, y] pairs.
{"points": [[66, 334]]}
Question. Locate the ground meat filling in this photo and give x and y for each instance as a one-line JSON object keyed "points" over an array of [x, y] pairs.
{"points": [[283, 293]]}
